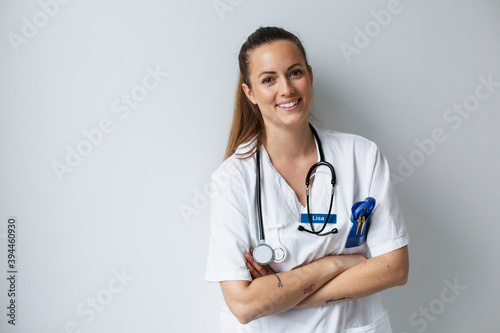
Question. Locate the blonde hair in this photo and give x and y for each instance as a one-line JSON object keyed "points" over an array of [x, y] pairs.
{"points": [[247, 125]]}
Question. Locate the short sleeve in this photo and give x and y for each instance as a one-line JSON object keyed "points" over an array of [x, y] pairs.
{"points": [[387, 228], [229, 230]]}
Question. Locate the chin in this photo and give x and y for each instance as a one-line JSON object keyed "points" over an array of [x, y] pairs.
{"points": [[295, 121]]}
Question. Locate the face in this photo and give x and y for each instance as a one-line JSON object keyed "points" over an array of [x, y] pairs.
{"points": [[280, 84]]}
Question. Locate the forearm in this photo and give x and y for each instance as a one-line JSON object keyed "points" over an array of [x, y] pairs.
{"points": [[366, 278], [278, 292]]}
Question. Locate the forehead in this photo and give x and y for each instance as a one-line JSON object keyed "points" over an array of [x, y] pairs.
{"points": [[274, 57]]}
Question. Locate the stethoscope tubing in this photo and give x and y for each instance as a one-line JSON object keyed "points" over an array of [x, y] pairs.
{"points": [[266, 259], [259, 203]]}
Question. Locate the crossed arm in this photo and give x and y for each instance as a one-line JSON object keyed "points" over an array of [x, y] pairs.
{"points": [[328, 280]]}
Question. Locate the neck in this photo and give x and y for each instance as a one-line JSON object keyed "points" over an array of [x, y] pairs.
{"points": [[289, 144]]}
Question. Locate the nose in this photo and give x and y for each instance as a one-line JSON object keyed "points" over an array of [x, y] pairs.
{"points": [[286, 88]]}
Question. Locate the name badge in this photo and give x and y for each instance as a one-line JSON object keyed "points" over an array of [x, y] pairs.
{"points": [[318, 218]]}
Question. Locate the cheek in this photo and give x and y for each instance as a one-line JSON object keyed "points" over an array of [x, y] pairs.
{"points": [[306, 86], [265, 96]]}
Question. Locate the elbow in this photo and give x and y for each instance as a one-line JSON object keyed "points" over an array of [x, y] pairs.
{"points": [[402, 274], [243, 320], [402, 278], [402, 265], [396, 278], [243, 313], [243, 304], [246, 312]]}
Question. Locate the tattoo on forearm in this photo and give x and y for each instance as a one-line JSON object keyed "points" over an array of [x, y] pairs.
{"points": [[280, 285], [338, 299], [309, 289]]}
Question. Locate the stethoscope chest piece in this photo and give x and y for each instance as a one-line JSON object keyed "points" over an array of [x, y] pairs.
{"points": [[279, 254], [264, 254]]}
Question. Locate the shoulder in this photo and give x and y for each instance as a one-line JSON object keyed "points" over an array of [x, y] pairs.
{"points": [[347, 142], [236, 169]]}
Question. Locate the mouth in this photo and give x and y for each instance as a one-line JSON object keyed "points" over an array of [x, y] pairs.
{"points": [[289, 105]]}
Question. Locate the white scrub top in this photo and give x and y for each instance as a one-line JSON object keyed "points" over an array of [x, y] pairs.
{"points": [[362, 171]]}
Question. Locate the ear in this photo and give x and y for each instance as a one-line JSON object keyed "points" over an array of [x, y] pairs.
{"points": [[310, 73], [248, 93]]}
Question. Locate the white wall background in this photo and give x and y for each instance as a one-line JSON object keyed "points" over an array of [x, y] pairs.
{"points": [[118, 212]]}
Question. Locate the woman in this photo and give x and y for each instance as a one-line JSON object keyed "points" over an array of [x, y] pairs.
{"points": [[325, 276]]}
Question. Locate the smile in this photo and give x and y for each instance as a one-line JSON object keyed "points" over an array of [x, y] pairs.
{"points": [[289, 105]]}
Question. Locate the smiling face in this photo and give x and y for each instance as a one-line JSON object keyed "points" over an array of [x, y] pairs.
{"points": [[280, 84]]}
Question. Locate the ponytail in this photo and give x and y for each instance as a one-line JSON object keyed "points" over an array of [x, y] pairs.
{"points": [[247, 126]]}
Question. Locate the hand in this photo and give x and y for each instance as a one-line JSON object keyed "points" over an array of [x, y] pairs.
{"points": [[256, 270]]}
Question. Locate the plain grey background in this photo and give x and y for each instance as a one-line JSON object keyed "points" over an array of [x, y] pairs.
{"points": [[115, 239]]}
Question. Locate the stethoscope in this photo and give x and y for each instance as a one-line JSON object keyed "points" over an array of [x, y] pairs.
{"points": [[263, 254]]}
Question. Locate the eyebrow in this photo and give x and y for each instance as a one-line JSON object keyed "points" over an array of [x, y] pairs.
{"points": [[271, 72]]}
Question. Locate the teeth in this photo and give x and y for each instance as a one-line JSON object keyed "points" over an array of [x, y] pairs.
{"points": [[289, 105]]}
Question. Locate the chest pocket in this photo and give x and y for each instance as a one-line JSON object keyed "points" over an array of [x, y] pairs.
{"points": [[360, 222]]}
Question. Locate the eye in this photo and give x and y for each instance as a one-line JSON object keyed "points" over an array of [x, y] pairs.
{"points": [[296, 72], [267, 80]]}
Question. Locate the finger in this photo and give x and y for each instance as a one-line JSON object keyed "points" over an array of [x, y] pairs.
{"points": [[249, 258], [253, 272], [254, 266], [259, 268], [262, 269], [269, 270]]}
